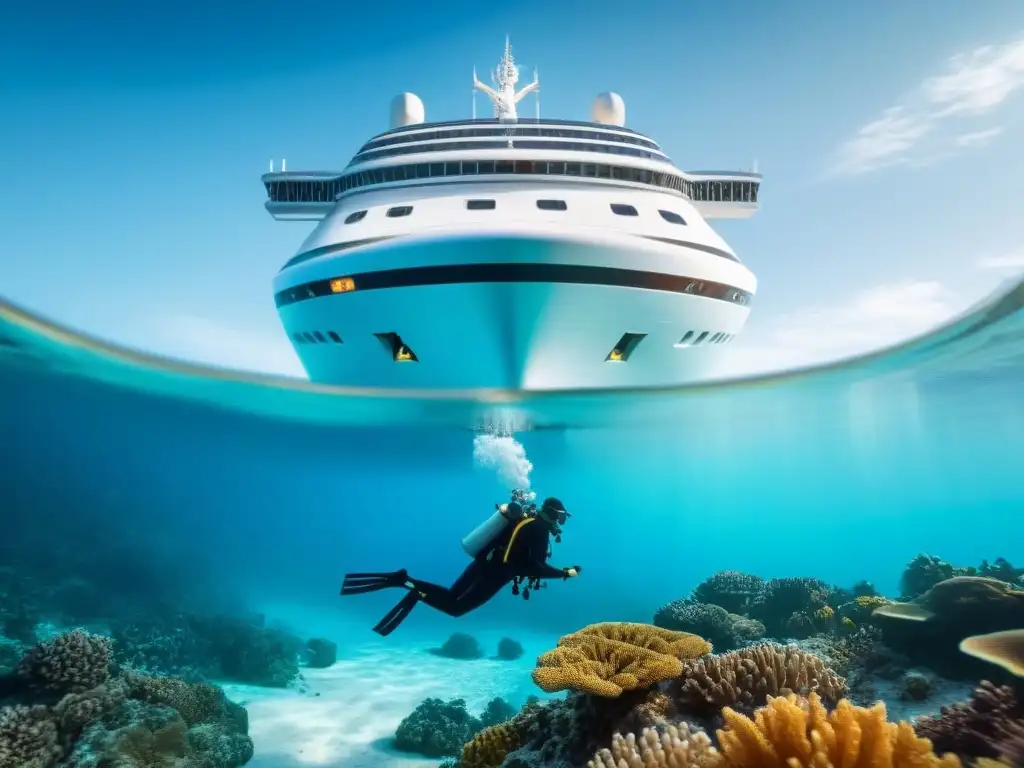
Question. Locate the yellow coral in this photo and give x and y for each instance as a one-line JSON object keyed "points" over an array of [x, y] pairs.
{"points": [[609, 658], [792, 732], [825, 613], [848, 623], [489, 748], [870, 602]]}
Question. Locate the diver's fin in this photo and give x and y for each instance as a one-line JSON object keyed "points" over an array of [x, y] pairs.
{"points": [[397, 615], [361, 583]]}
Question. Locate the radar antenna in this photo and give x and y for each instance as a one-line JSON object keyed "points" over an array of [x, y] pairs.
{"points": [[503, 95]]}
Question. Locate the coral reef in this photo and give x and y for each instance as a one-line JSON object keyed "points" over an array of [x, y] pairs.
{"points": [[722, 629], [460, 646], [509, 649], [66, 706], [974, 728], [436, 728], [609, 658], [794, 607], [321, 653], [732, 590], [674, 747], [744, 679]]}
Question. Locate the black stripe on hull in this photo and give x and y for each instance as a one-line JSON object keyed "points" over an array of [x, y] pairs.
{"points": [[458, 274]]}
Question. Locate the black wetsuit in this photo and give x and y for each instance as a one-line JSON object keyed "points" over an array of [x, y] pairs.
{"points": [[489, 573]]}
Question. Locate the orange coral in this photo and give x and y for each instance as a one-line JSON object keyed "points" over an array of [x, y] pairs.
{"points": [[792, 732], [609, 658]]}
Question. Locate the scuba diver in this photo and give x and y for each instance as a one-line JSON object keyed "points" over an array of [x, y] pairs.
{"points": [[511, 546]]}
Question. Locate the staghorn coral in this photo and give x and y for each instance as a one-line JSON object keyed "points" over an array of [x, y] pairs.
{"points": [[793, 732], [972, 728], [28, 737], [609, 658], [72, 662], [676, 747], [745, 678], [732, 590]]}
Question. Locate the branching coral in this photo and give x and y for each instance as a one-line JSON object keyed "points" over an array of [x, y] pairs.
{"points": [[607, 659], [973, 727], [69, 663], [28, 737], [922, 573], [674, 747], [792, 733], [745, 678]]}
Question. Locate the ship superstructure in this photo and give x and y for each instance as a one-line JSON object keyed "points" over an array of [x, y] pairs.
{"points": [[511, 252]]}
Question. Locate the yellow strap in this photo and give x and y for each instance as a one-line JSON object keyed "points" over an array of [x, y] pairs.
{"points": [[512, 539]]}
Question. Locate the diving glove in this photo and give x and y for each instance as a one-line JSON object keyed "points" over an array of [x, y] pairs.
{"points": [[571, 572]]}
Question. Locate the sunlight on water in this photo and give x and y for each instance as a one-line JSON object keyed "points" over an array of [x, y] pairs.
{"points": [[142, 494]]}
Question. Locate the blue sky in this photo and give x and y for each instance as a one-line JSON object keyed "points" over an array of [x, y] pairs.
{"points": [[134, 136]]}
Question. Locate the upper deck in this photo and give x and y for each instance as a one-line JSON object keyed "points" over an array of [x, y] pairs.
{"points": [[465, 151]]}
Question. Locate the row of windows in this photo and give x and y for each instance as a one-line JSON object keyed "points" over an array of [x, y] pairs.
{"points": [[555, 146], [287, 191], [485, 121], [510, 131], [620, 352], [316, 337], [620, 209], [693, 339]]}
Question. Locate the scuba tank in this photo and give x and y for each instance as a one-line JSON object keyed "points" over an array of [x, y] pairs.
{"points": [[485, 534]]}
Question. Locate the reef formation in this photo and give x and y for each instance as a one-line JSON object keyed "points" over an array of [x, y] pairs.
{"points": [[786, 673], [66, 704]]}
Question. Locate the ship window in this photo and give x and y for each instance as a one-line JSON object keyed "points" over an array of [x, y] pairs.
{"points": [[298, 338], [552, 205], [685, 341], [627, 345], [556, 169], [572, 169], [503, 166], [400, 352], [672, 217], [486, 166], [452, 169], [481, 205], [334, 337], [352, 218], [308, 337], [437, 169], [715, 339], [524, 166], [604, 171], [699, 339], [621, 209], [398, 211], [319, 336], [589, 170]]}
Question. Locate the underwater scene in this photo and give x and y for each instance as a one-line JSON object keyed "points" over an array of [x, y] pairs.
{"points": [[819, 568], [379, 388]]}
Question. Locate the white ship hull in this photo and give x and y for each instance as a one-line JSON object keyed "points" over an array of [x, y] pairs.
{"points": [[517, 333]]}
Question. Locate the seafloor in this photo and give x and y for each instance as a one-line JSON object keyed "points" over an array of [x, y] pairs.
{"points": [[742, 672]]}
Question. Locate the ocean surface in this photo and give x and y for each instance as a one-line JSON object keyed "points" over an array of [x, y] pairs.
{"points": [[158, 486]]}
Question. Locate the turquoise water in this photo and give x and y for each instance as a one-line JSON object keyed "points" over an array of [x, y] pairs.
{"points": [[266, 491]]}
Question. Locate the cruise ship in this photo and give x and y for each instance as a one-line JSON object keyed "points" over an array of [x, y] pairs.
{"points": [[511, 253]]}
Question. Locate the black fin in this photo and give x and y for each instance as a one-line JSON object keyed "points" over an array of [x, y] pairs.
{"points": [[361, 583], [397, 615]]}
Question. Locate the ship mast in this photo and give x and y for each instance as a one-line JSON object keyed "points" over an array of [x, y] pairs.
{"points": [[504, 95]]}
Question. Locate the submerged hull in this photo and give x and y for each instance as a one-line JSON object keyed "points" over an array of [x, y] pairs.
{"points": [[527, 310]]}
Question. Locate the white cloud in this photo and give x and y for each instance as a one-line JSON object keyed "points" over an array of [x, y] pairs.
{"points": [[1010, 262], [872, 319], [202, 340], [924, 124]]}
